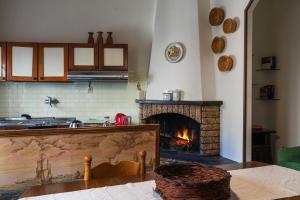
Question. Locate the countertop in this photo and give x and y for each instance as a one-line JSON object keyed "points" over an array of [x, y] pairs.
{"points": [[83, 130]]}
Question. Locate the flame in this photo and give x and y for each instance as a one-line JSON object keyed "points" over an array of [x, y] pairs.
{"points": [[184, 137]]}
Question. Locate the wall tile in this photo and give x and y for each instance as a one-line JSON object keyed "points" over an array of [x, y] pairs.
{"points": [[106, 100]]}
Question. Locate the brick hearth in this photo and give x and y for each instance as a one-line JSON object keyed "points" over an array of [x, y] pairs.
{"points": [[206, 113]]}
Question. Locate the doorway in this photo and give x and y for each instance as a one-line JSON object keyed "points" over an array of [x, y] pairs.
{"points": [[272, 67]]}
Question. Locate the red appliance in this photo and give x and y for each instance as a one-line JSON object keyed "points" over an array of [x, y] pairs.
{"points": [[121, 119]]}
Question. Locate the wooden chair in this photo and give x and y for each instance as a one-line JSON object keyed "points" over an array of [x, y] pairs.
{"points": [[122, 169]]}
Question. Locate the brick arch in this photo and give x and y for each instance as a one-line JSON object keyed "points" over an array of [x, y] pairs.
{"points": [[191, 111]]}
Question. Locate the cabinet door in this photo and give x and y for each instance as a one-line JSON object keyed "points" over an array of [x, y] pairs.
{"points": [[22, 61], [83, 57], [2, 61], [114, 57], [53, 62]]}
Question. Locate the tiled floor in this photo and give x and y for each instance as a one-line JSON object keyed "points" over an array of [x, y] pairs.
{"points": [[167, 157]]}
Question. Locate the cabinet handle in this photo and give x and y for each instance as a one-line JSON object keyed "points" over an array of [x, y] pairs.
{"points": [[34, 78]]}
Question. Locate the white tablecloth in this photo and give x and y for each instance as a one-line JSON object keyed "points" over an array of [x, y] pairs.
{"points": [[261, 183]]}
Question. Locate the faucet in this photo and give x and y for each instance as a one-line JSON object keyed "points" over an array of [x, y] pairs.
{"points": [[51, 101]]}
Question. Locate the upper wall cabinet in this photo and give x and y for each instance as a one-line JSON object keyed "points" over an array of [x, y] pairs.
{"points": [[83, 57], [53, 62], [22, 61], [115, 57], [2, 61]]}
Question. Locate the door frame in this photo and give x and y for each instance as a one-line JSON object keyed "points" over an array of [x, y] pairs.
{"points": [[247, 110]]}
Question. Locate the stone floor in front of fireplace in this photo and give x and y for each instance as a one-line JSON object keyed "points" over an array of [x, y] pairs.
{"points": [[167, 157]]}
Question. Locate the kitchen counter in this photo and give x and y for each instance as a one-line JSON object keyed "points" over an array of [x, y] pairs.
{"points": [[58, 153], [20, 131], [17, 123]]}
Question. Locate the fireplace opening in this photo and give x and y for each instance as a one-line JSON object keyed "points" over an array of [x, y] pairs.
{"points": [[178, 133]]}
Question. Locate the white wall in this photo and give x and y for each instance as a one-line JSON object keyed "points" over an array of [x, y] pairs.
{"points": [[287, 48], [69, 21], [263, 112], [208, 76], [176, 21], [230, 86]]}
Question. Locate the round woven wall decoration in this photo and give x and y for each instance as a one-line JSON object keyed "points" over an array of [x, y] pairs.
{"points": [[216, 16], [225, 63], [218, 45], [229, 26]]}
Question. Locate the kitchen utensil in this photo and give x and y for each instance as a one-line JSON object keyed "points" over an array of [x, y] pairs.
{"points": [[168, 95], [176, 95], [27, 116], [216, 16], [106, 122], [75, 124], [122, 120]]}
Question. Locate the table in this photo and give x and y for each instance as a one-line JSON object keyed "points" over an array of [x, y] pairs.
{"points": [[81, 185], [260, 183]]}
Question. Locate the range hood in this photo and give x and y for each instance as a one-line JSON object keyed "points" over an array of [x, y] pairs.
{"points": [[98, 76]]}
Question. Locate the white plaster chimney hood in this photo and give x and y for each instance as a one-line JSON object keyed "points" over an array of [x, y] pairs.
{"points": [[176, 21]]}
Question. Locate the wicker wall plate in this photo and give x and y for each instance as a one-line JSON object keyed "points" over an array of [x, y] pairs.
{"points": [[225, 63], [229, 26], [218, 45], [216, 16]]}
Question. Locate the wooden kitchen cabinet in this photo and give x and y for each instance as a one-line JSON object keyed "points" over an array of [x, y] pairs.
{"points": [[2, 61], [115, 57], [83, 57], [22, 61], [52, 62]]}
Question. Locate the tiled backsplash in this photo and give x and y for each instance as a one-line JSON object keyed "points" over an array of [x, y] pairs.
{"points": [[106, 99]]}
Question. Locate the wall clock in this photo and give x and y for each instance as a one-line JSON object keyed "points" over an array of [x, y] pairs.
{"points": [[174, 52]]}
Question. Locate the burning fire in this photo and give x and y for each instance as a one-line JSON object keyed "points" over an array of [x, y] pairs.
{"points": [[183, 137]]}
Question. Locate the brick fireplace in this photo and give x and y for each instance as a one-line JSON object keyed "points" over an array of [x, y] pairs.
{"points": [[204, 117]]}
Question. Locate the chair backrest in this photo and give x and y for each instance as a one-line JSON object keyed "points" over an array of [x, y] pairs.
{"points": [[123, 168]]}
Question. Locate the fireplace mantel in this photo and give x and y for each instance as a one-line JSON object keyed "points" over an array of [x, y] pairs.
{"points": [[199, 103]]}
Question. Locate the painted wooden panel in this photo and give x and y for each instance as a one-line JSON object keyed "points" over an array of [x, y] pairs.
{"points": [[34, 160]]}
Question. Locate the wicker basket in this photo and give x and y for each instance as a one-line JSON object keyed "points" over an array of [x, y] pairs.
{"points": [[216, 16], [218, 45], [229, 26], [225, 63], [192, 182]]}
